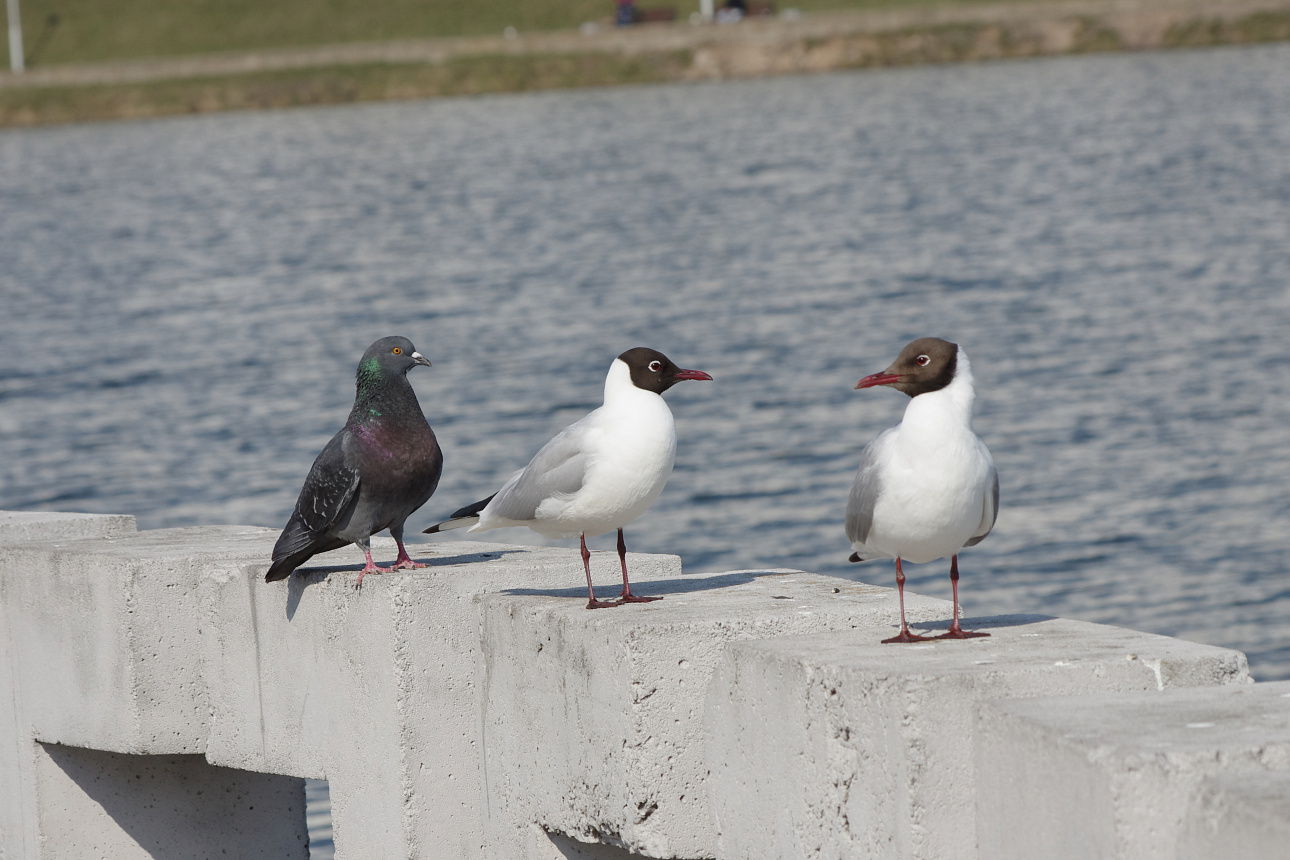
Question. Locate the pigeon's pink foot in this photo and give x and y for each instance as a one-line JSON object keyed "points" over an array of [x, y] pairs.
{"points": [[600, 604], [370, 567], [405, 563]]}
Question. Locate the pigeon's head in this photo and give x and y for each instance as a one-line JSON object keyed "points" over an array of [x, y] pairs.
{"points": [[389, 357], [651, 370], [925, 365]]}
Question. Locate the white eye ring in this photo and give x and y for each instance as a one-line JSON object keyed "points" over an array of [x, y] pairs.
{"points": [[922, 361], [656, 365]]}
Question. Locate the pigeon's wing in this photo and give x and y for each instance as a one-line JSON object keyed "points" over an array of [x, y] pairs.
{"points": [[990, 509], [864, 495], [558, 470], [329, 494]]}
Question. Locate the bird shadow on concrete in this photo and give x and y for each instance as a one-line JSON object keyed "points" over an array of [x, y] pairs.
{"points": [[984, 624], [651, 587], [303, 577]]}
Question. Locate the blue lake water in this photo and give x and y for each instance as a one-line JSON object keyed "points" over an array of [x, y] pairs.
{"points": [[182, 303]]}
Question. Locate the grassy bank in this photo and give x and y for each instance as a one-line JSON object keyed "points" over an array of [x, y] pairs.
{"points": [[95, 31], [704, 57]]}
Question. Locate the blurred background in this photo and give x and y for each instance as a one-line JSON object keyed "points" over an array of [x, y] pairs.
{"points": [[183, 301]]}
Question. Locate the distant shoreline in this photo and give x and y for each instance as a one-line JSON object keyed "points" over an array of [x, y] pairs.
{"points": [[384, 71]]}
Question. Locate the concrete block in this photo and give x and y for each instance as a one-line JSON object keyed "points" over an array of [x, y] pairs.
{"points": [[593, 721], [102, 804], [108, 632], [34, 526], [838, 746], [169, 642], [98, 639], [1117, 777], [1243, 816], [377, 691]]}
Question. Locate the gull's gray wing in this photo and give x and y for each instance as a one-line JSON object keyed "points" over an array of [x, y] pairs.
{"points": [[990, 512], [864, 494], [557, 470]]}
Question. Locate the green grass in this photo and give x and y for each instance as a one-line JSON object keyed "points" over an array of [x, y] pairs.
{"points": [[96, 30]]}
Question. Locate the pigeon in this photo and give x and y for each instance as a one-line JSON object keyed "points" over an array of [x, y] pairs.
{"points": [[373, 474], [927, 487], [599, 473]]}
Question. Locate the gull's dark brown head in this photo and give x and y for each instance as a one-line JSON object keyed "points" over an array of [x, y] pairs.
{"points": [[925, 365], [651, 370]]}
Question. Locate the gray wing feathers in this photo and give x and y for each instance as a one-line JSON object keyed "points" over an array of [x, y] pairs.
{"points": [[864, 495], [990, 511], [558, 469]]}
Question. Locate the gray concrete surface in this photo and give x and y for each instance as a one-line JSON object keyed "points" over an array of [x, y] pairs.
{"points": [[1238, 817], [593, 721], [168, 642], [840, 746], [1123, 777], [157, 689], [32, 526], [134, 807], [377, 692]]}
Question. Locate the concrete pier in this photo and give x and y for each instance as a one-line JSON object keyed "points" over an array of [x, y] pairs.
{"points": [[162, 699]]}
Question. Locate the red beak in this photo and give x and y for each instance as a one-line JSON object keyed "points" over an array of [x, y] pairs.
{"points": [[873, 379], [691, 374]]}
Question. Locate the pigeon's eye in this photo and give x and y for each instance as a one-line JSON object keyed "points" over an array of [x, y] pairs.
{"points": [[398, 350], [656, 365], [922, 361]]}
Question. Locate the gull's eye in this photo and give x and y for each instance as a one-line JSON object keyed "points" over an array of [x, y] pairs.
{"points": [[398, 350], [656, 365], [922, 361]]}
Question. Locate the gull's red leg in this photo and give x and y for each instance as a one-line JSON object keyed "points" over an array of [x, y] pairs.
{"points": [[955, 631], [592, 602], [904, 635], [627, 596]]}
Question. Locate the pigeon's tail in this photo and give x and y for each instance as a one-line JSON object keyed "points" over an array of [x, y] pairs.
{"points": [[282, 567], [295, 546], [467, 516]]}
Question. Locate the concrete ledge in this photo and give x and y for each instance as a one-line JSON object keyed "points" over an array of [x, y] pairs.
{"points": [[1238, 817], [377, 692], [475, 709], [593, 721], [840, 746], [1119, 776], [29, 527]]}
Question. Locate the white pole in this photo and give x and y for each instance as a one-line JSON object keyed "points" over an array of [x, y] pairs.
{"points": [[705, 9], [15, 38]]}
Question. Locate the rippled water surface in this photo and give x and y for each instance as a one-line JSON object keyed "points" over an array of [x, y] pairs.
{"points": [[184, 301]]}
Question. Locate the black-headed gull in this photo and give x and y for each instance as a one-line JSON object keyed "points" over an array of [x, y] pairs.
{"points": [[927, 487], [599, 473]]}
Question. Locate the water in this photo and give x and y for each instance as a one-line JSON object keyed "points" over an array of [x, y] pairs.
{"points": [[184, 302]]}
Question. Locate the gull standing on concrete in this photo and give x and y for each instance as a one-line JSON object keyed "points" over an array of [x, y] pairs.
{"points": [[599, 473], [383, 465], [927, 487]]}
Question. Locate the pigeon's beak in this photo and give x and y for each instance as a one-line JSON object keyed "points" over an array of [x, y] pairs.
{"points": [[884, 378], [691, 374], [420, 359]]}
